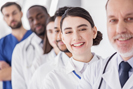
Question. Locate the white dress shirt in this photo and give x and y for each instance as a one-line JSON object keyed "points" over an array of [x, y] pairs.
{"points": [[63, 77], [130, 61], [22, 59], [43, 70]]}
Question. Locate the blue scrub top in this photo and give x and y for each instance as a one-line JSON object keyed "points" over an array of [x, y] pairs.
{"points": [[7, 44]]}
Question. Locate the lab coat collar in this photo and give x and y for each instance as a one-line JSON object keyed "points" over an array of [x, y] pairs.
{"points": [[129, 83], [53, 54], [61, 59], [70, 66], [111, 76], [77, 64], [36, 38]]}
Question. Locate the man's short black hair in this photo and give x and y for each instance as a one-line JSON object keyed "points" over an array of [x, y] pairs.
{"points": [[44, 8], [9, 4]]}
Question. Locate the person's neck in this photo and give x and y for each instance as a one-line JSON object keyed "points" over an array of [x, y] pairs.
{"points": [[56, 50], [68, 54], [19, 33], [126, 58], [83, 58], [42, 37]]}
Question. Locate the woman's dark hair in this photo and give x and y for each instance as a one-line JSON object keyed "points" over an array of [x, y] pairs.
{"points": [[50, 19], [80, 12], [9, 4]]}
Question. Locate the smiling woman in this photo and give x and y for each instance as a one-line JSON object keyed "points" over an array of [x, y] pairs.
{"points": [[79, 33]]}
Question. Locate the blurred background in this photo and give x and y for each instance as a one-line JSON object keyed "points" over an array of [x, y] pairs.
{"points": [[95, 7]]}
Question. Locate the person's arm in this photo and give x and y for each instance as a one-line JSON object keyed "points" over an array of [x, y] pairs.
{"points": [[5, 74], [5, 69], [18, 81], [3, 65]]}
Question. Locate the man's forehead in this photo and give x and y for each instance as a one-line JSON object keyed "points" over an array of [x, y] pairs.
{"points": [[35, 10], [10, 9], [118, 2]]}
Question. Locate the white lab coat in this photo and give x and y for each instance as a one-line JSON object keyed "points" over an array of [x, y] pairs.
{"points": [[49, 57], [93, 74], [23, 56], [62, 77], [43, 70]]}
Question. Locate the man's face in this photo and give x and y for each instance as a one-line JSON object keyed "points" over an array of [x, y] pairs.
{"points": [[120, 26], [12, 16], [58, 38], [37, 20]]}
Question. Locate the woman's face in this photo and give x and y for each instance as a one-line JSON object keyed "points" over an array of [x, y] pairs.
{"points": [[51, 34], [78, 35]]}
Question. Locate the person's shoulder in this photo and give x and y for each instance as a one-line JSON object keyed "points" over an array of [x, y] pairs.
{"points": [[5, 39], [25, 41], [29, 31]]}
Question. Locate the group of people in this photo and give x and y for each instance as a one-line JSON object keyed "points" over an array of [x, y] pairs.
{"points": [[56, 52]]}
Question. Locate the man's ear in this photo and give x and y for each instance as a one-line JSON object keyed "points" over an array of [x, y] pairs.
{"points": [[21, 14]]}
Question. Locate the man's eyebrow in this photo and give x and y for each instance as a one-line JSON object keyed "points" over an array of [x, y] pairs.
{"points": [[39, 14], [131, 13]]}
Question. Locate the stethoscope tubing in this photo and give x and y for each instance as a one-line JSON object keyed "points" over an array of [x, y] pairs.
{"points": [[105, 70]]}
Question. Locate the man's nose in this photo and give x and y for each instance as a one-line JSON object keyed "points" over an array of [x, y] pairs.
{"points": [[121, 27]]}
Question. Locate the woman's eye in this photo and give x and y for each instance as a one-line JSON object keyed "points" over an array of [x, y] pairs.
{"points": [[68, 32], [83, 29], [57, 31], [50, 31]]}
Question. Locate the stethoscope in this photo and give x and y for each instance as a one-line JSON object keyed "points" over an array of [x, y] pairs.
{"points": [[30, 47], [105, 69]]}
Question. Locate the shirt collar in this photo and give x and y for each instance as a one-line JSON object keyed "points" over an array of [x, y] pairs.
{"points": [[78, 66], [130, 61], [61, 59]]}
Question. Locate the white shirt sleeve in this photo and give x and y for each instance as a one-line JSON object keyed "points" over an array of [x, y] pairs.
{"points": [[18, 81]]}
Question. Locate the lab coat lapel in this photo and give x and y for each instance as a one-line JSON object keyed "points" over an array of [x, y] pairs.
{"points": [[129, 83], [36, 41], [111, 76]]}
